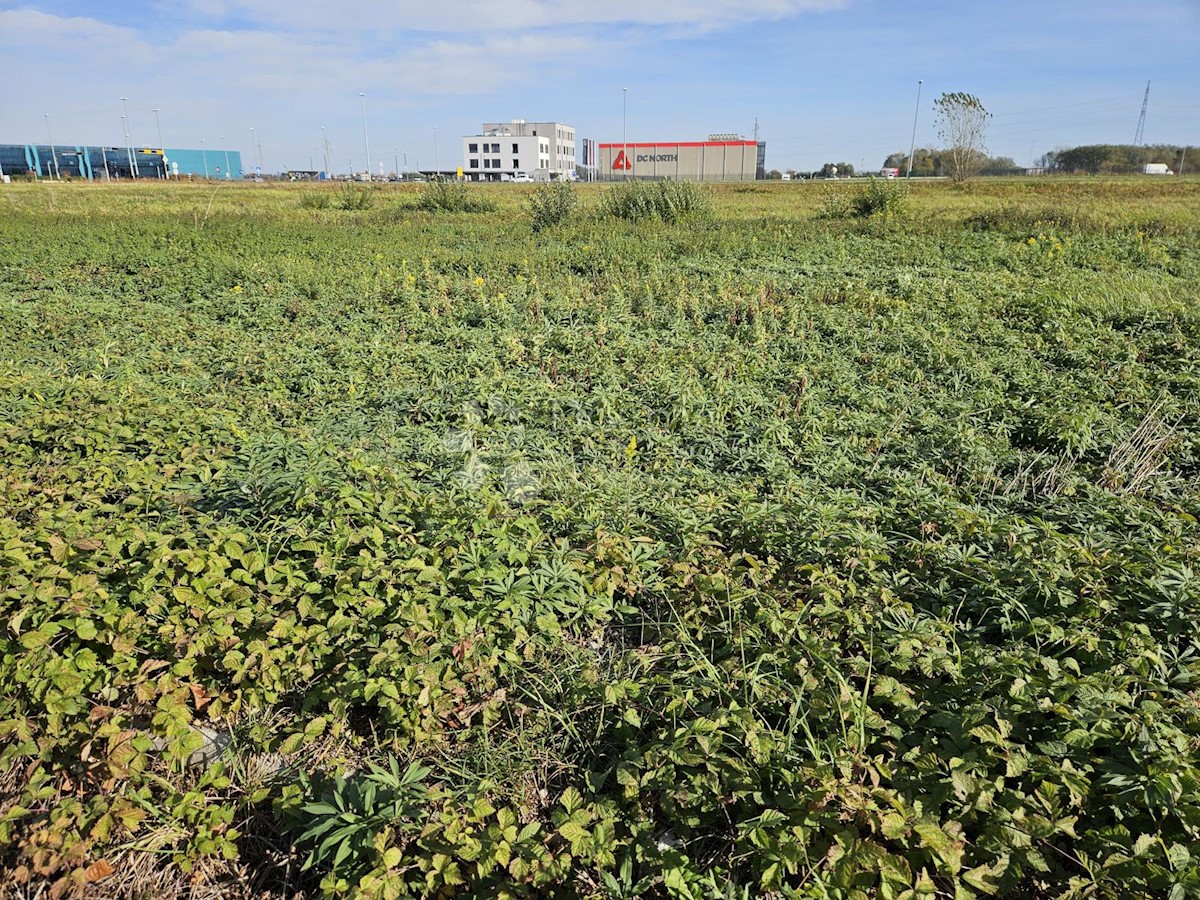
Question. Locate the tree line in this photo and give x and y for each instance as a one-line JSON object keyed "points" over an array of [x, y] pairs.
{"points": [[1117, 159]]}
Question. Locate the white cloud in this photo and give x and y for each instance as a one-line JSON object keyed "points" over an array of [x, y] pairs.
{"points": [[56, 39], [465, 16]]}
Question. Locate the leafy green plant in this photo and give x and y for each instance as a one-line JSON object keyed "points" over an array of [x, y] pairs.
{"points": [[355, 197], [441, 195], [668, 201], [316, 200], [881, 197], [552, 204], [344, 825]]}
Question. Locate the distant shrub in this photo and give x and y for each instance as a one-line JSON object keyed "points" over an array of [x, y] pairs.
{"points": [[881, 197], [353, 197], [451, 196], [836, 203], [552, 204], [668, 201], [878, 198], [316, 200]]}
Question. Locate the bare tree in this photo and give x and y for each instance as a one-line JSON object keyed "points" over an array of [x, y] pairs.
{"points": [[961, 123]]}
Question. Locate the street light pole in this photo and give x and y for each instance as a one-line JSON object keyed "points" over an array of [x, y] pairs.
{"points": [[53, 152], [913, 144], [158, 125], [228, 174], [437, 164], [624, 134], [128, 146], [366, 140], [204, 156], [252, 146], [133, 164], [325, 146]]}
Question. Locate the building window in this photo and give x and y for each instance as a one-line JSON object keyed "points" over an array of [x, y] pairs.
{"points": [[495, 148], [515, 165], [474, 164], [515, 149], [472, 148]]}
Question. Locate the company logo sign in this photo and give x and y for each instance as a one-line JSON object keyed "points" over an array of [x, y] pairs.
{"points": [[658, 157], [622, 163]]}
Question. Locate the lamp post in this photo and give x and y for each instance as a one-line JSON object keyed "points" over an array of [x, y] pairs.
{"points": [[624, 134], [366, 141], [913, 144], [325, 145], [437, 165], [128, 147], [204, 156], [53, 152], [133, 164], [252, 146], [158, 125], [228, 174]]}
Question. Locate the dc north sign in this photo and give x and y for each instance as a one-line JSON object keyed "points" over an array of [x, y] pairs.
{"points": [[683, 160]]}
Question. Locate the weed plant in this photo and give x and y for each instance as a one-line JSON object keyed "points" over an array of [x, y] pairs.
{"points": [[878, 199], [316, 200], [666, 201], [441, 195], [552, 204], [355, 197]]}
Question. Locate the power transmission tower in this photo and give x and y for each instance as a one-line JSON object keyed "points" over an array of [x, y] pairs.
{"points": [[1137, 140]]}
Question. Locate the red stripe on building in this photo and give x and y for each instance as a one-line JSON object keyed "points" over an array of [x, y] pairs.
{"points": [[632, 145]]}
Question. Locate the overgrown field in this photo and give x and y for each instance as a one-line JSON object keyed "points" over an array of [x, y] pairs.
{"points": [[348, 547]]}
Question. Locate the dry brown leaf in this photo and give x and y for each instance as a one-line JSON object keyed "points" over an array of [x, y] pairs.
{"points": [[101, 868], [199, 697]]}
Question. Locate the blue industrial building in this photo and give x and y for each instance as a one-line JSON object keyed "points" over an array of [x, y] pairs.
{"points": [[100, 163]]}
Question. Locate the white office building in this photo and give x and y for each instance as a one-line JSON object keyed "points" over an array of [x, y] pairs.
{"points": [[542, 151]]}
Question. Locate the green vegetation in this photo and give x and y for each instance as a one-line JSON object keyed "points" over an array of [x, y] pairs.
{"points": [[440, 195], [552, 204], [400, 553], [1109, 159], [878, 198], [666, 201]]}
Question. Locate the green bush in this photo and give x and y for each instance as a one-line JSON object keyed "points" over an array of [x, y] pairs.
{"points": [[552, 204], [353, 197], [836, 203], [668, 201], [880, 197], [451, 196], [316, 200]]}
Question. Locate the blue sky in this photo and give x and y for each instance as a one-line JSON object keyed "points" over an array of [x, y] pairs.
{"points": [[827, 80]]}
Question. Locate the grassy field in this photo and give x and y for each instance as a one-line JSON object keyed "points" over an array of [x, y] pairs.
{"points": [[772, 551]]}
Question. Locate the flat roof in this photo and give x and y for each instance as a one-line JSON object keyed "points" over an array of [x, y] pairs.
{"points": [[682, 144]]}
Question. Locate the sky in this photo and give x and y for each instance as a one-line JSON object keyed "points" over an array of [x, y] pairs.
{"points": [[825, 80]]}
